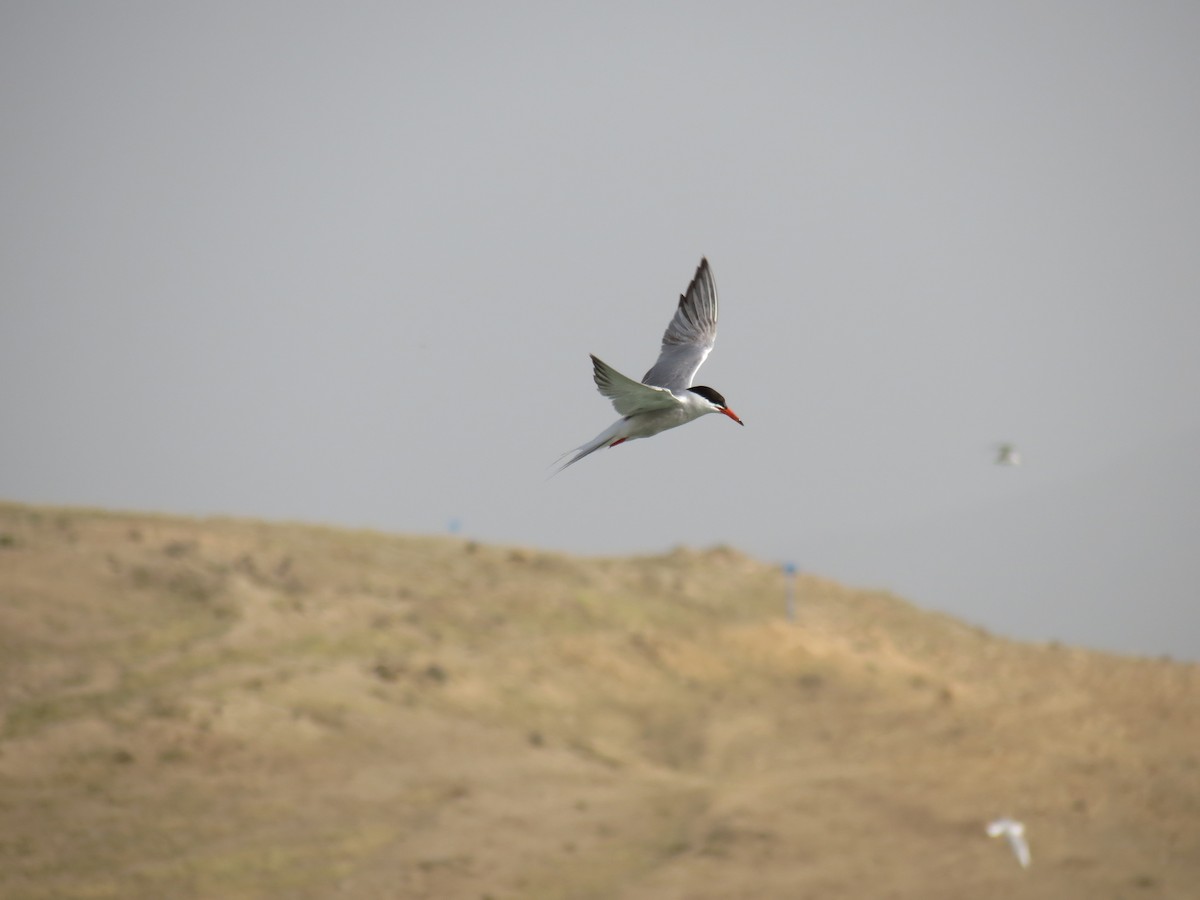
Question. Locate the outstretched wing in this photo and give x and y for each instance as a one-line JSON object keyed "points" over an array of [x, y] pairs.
{"points": [[628, 396], [690, 336], [1020, 847]]}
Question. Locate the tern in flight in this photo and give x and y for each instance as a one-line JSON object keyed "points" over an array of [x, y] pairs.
{"points": [[1015, 832], [1007, 455], [665, 398]]}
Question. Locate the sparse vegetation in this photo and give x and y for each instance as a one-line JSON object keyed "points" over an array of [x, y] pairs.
{"points": [[235, 709]]}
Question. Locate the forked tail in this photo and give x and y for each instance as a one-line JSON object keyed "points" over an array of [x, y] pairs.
{"points": [[608, 436]]}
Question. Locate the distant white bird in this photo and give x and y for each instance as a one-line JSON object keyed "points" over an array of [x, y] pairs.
{"points": [[665, 398], [1015, 832], [1007, 455]]}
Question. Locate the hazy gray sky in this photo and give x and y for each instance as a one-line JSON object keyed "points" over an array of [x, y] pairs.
{"points": [[344, 263]]}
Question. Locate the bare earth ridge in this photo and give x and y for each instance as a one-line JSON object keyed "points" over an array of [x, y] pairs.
{"points": [[236, 709]]}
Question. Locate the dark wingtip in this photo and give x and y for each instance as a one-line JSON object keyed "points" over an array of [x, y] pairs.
{"points": [[703, 267]]}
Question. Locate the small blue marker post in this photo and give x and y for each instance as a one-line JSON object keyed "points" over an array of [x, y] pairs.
{"points": [[454, 526], [789, 570]]}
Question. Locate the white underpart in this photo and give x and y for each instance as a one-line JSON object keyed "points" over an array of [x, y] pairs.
{"points": [[686, 407]]}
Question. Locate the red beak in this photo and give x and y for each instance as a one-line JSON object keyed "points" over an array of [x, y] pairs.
{"points": [[729, 412]]}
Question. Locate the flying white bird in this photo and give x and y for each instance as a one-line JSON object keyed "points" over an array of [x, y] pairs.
{"points": [[1007, 455], [665, 398], [1015, 832]]}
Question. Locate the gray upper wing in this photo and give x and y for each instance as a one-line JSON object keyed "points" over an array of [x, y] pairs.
{"points": [[690, 336], [629, 397]]}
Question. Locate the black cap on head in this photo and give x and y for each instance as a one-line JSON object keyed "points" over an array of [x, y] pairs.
{"points": [[710, 395]]}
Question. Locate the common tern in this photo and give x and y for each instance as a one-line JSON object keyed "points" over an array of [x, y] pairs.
{"points": [[664, 398], [1015, 832]]}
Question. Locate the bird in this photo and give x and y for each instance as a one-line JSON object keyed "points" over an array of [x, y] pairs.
{"points": [[1007, 455], [665, 397], [1015, 832]]}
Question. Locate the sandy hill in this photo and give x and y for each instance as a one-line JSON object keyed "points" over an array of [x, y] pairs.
{"points": [[233, 709]]}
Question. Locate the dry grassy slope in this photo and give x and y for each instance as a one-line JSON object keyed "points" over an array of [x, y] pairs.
{"points": [[212, 708]]}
